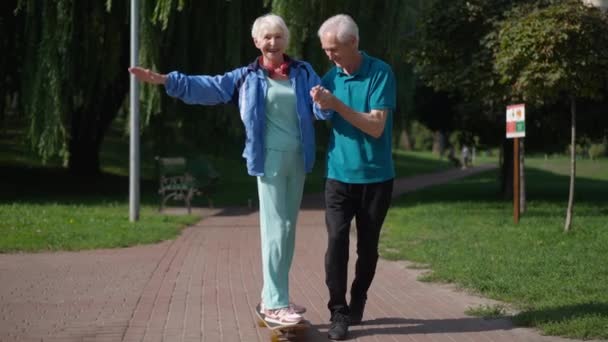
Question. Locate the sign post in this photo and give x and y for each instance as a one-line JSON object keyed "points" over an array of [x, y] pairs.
{"points": [[516, 128]]}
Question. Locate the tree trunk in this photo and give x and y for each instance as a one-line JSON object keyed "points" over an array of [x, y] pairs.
{"points": [[568, 224], [438, 145], [84, 156], [404, 140], [522, 178], [89, 126]]}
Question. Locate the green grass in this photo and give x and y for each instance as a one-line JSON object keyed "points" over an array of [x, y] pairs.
{"points": [[466, 234], [36, 227], [488, 311]]}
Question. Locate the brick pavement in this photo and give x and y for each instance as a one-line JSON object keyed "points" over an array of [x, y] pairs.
{"points": [[203, 285]]}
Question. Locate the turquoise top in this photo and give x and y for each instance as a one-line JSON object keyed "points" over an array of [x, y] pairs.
{"points": [[355, 156], [282, 129]]}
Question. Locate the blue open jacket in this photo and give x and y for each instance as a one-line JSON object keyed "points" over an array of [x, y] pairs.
{"points": [[246, 86]]}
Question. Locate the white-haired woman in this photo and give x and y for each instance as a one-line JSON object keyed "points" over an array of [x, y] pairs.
{"points": [[272, 94]]}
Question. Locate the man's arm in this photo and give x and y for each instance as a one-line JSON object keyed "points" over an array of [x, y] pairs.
{"points": [[371, 123]]}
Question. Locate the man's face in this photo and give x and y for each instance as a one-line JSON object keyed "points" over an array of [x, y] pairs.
{"points": [[339, 53]]}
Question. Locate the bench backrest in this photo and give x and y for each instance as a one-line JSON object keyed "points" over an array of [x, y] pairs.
{"points": [[173, 166]]}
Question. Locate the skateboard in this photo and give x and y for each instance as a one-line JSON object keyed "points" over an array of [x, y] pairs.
{"points": [[280, 332]]}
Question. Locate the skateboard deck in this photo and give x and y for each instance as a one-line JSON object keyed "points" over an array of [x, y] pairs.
{"points": [[281, 332]]}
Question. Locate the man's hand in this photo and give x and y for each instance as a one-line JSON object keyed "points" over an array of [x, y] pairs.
{"points": [[145, 75], [323, 97], [371, 123]]}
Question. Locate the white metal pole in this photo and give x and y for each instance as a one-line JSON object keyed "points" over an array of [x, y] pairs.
{"points": [[134, 124]]}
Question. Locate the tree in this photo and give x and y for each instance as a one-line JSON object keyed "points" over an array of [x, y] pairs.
{"points": [[452, 52], [74, 78], [11, 43], [556, 51], [195, 37]]}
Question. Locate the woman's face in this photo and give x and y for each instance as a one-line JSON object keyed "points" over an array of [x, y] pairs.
{"points": [[272, 43]]}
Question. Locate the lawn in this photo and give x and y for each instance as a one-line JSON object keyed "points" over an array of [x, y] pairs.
{"points": [[464, 232]]}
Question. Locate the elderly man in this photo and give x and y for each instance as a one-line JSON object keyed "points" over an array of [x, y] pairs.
{"points": [[360, 172]]}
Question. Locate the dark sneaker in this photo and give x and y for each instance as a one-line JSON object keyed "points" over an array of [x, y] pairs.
{"points": [[356, 308], [339, 327]]}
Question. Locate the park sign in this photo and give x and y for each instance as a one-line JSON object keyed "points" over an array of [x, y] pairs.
{"points": [[516, 121]]}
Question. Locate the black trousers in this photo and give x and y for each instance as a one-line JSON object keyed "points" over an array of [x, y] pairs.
{"points": [[368, 204]]}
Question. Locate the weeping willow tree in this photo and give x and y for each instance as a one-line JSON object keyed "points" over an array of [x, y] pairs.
{"points": [[10, 45], [195, 37], [74, 80], [384, 29]]}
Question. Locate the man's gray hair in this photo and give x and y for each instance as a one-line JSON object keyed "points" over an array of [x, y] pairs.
{"points": [[342, 25], [269, 22]]}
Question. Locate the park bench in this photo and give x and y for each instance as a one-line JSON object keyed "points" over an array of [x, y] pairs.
{"points": [[183, 178]]}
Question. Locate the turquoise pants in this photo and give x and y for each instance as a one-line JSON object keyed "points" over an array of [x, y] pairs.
{"points": [[280, 194]]}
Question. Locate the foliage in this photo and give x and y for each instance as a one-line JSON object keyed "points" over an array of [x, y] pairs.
{"points": [[597, 150], [449, 53], [10, 65], [544, 53], [422, 136], [189, 36], [73, 77], [73, 80], [455, 139], [452, 54]]}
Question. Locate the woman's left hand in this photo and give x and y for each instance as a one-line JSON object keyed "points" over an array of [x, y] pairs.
{"points": [[145, 75]]}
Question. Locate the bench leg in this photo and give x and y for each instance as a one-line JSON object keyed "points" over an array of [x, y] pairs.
{"points": [[188, 199]]}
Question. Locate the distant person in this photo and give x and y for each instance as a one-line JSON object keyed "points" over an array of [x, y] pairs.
{"points": [[273, 97], [361, 90], [452, 156]]}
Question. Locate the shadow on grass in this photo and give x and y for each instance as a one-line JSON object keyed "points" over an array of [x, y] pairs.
{"points": [[541, 186], [39, 185], [561, 314]]}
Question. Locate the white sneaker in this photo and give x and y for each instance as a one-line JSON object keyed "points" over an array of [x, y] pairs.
{"points": [[282, 316], [299, 309]]}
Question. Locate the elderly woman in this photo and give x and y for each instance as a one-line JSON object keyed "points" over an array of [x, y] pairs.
{"points": [[278, 113]]}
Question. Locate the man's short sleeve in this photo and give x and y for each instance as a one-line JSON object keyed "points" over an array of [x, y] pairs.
{"points": [[383, 89]]}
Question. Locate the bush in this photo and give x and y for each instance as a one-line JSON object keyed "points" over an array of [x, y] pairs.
{"points": [[455, 139], [422, 136], [580, 150], [597, 150]]}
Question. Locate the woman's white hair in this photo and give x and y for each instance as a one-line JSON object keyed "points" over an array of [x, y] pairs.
{"points": [[267, 23], [342, 25]]}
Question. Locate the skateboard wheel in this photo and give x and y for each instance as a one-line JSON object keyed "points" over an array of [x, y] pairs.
{"points": [[261, 323]]}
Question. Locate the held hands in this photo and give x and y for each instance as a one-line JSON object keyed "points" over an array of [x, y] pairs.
{"points": [[323, 97], [145, 75]]}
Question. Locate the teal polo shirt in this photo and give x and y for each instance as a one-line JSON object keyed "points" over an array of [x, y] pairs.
{"points": [[354, 156]]}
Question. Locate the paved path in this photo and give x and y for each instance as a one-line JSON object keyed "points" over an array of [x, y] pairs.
{"points": [[203, 286]]}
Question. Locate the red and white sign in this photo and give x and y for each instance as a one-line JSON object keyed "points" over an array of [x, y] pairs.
{"points": [[516, 121]]}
